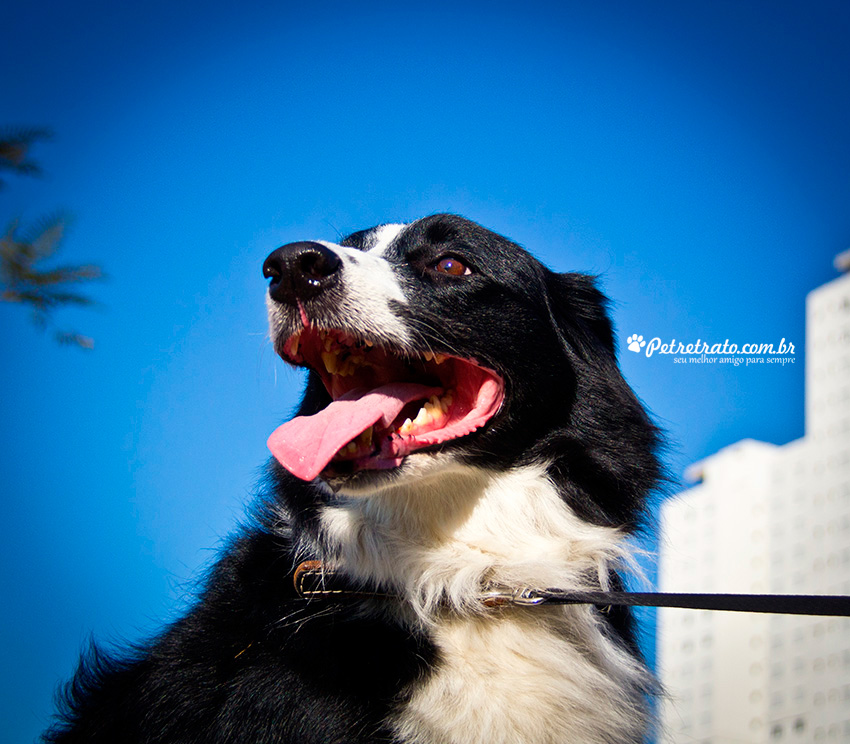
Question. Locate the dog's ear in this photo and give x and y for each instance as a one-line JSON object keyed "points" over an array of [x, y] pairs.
{"points": [[580, 311], [606, 455]]}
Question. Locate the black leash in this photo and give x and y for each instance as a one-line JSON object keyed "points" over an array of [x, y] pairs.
{"points": [[313, 580], [784, 604]]}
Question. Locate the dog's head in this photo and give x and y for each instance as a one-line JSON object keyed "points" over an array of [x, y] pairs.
{"points": [[440, 343]]}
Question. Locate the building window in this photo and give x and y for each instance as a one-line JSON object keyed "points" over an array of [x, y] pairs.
{"points": [[776, 731]]}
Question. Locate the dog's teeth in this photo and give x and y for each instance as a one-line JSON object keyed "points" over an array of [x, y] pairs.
{"points": [[440, 358], [293, 344], [423, 417], [406, 427], [434, 410], [331, 360], [366, 437], [368, 342], [446, 402], [428, 355], [327, 342]]}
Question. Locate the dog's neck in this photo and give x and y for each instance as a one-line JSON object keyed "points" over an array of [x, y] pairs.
{"points": [[439, 540], [438, 543]]}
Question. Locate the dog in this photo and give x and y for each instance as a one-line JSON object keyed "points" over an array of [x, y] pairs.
{"points": [[465, 433]]}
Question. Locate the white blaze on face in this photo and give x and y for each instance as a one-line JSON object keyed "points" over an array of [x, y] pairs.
{"points": [[370, 287], [382, 237]]}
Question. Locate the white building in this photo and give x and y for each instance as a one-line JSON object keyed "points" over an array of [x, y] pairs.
{"points": [[766, 519]]}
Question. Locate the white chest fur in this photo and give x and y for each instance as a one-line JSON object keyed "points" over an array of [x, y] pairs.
{"points": [[519, 679], [507, 675]]}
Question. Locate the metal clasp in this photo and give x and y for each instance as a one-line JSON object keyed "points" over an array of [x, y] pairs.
{"points": [[525, 597]]}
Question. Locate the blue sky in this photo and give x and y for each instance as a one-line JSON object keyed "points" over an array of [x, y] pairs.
{"points": [[695, 155]]}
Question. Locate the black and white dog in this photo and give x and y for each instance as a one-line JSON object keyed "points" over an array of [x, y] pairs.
{"points": [[465, 430]]}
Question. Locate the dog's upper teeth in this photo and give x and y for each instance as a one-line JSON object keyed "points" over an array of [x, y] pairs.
{"points": [[432, 356], [344, 366], [331, 361]]}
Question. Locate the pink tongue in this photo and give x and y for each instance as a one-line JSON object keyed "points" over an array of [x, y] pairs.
{"points": [[305, 445]]}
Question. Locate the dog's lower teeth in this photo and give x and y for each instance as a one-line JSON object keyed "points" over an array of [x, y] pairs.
{"points": [[433, 411], [423, 417]]}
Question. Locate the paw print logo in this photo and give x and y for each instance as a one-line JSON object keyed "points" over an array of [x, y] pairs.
{"points": [[635, 342]]}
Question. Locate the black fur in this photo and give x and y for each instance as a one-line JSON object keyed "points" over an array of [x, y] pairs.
{"points": [[251, 661]]}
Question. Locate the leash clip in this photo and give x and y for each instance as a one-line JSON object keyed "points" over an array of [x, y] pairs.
{"points": [[525, 597]]}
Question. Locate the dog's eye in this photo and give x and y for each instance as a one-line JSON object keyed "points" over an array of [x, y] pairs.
{"points": [[452, 266]]}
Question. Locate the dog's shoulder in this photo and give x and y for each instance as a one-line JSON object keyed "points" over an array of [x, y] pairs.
{"points": [[250, 657]]}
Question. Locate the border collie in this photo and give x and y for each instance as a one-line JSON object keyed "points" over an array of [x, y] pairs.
{"points": [[465, 430]]}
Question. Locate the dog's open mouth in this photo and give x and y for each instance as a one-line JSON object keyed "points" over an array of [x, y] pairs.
{"points": [[384, 406]]}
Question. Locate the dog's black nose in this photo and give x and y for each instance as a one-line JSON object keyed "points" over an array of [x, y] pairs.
{"points": [[300, 271]]}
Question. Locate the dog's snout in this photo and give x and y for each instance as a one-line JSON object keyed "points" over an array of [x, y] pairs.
{"points": [[300, 271]]}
